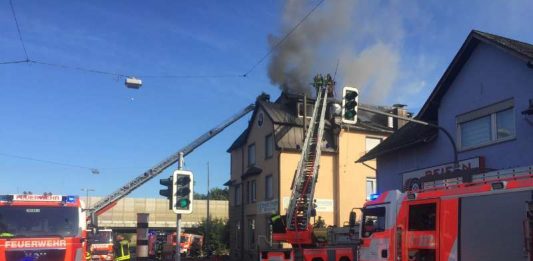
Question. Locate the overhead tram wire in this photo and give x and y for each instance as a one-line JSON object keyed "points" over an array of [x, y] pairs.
{"points": [[18, 30], [278, 44], [93, 170], [182, 76]]}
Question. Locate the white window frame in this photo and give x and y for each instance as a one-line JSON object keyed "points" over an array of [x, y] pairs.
{"points": [[374, 186], [491, 110], [372, 138]]}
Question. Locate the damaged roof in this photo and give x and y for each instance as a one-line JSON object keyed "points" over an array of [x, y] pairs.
{"points": [[412, 134], [289, 127]]}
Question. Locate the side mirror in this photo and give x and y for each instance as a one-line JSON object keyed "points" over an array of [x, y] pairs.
{"points": [[353, 218]]}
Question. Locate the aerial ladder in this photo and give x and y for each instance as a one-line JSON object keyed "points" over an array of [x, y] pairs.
{"points": [[303, 187], [311, 241], [111, 200]]}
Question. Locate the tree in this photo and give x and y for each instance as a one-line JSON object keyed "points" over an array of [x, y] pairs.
{"points": [[214, 194], [219, 194], [217, 238]]}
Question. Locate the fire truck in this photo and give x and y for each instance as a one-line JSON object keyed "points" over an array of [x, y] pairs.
{"points": [[101, 244], [463, 215], [41, 227]]}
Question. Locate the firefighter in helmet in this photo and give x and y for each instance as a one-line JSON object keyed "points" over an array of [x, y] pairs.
{"points": [[121, 249]]}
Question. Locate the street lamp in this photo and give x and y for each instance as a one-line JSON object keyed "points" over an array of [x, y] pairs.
{"points": [[87, 190]]}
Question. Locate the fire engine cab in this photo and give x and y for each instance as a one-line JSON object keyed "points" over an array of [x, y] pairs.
{"points": [[41, 227], [460, 216]]}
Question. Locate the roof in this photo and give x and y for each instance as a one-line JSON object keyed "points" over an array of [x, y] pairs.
{"points": [[408, 135], [289, 135], [413, 134], [520, 49]]}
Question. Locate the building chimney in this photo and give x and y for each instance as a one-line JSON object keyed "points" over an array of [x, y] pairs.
{"points": [[400, 110]]}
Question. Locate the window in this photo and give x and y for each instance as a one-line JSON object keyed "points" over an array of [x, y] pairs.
{"points": [[253, 197], [251, 154], [373, 220], [422, 217], [237, 194], [238, 234], [247, 192], [269, 146], [370, 187], [309, 112], [269, 194], [487, 125], [370, 143], [251, 232]]}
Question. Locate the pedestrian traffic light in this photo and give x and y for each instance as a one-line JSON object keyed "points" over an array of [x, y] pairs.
{"points": [[168, 191], [350, 103], [183, 192]]}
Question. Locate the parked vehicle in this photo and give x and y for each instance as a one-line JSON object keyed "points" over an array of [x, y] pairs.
{"points": [[42, 227]]}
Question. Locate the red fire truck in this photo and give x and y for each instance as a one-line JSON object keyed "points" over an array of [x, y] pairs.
{"points": [[457, 216], [101, 244], [41, 227]]}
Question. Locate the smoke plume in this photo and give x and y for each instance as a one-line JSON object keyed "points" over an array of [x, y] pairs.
{"points": [[342, 32]]}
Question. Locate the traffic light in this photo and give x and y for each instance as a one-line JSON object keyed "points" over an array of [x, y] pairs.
{"points": [[183, 192], [167, 192], [350, 103]]}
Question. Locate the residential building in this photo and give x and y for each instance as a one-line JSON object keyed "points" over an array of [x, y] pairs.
{"points": [[484, 101], [264, 159]]}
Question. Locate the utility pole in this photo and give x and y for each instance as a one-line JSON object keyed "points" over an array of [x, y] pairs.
{"points": [[178, 217], [208, 219], [87, 196]]}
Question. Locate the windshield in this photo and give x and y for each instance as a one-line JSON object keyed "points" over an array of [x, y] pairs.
{"points": [[25, 221], [373, 220], [102, 237]]}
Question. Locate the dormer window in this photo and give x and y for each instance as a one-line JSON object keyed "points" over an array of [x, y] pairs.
{"points": [[309, 112]]}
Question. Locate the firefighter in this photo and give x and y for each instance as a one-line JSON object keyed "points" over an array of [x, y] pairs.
{"points": [[121, 249]]}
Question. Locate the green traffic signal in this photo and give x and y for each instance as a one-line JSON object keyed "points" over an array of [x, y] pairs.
{"points": [[183, 203], [350, 115]]}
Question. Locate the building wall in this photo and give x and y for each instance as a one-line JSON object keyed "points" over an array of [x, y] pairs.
{"points": [[239, 165], [324, 191], [124, 214], [490, 75], [352, 176]]}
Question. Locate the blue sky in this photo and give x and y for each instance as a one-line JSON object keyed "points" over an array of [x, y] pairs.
{"points": [[92, 120]]}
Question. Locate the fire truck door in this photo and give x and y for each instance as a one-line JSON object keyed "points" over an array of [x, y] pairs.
{"points": [[421, 236]]}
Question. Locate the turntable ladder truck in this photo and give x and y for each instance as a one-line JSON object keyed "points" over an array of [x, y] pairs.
{"points": [[298, 230]]}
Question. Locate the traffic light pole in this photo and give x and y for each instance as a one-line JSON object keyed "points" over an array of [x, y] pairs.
{"points": [[448, 135], [178, 217]]}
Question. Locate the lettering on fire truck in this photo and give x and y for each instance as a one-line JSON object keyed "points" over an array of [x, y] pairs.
{"points": [[35, 243]]}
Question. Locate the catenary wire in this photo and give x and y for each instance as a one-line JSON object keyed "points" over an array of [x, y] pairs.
{"points": [[18, 29], [191, 76], [278, 44], [93, 170]]}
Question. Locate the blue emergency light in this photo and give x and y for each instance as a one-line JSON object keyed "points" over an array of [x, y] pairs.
{"points": [[70, 199], [373, 196]]}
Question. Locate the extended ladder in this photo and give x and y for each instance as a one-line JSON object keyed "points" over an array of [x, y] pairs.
{"points": [[303, 187], [109, 201]]}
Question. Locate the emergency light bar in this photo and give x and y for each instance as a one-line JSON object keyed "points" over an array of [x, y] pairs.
{"points": [[39, 198]]}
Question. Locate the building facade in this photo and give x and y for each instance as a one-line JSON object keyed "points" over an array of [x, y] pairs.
{"points": [[123, 216], [484, 101], [264, 159]]}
